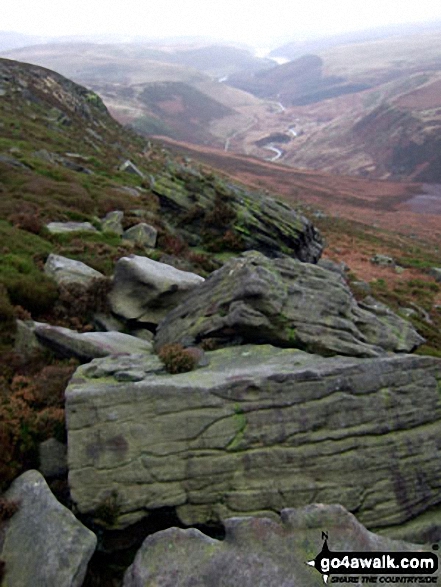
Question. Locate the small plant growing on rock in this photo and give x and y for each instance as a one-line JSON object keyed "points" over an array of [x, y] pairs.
{"points": [[177, 359]]}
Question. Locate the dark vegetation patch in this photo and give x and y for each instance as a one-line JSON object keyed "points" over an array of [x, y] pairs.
{"points": [[31, 409], [276, 137], [179, 111], [195, 104]]}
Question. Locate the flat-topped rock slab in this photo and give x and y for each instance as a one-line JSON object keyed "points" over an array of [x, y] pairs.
{"points": [[257, 430], [63, 227], [66, 271], [86, 346]]}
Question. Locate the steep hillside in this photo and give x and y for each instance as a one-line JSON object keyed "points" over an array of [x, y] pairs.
{"points": [[78, 186], [369, 109], [62, 159], [132, 79]]}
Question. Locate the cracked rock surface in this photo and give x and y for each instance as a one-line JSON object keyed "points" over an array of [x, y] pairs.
{"points": [[256, 551], [254, 299], [257, 430]]}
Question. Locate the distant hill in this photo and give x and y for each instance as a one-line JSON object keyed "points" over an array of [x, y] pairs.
{"points": [[297, 82], [371, 109], [133, 80], [219, 60], [296, 48]]}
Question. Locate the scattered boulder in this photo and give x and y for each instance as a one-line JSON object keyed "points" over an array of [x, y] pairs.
{"points": [[86, 346], [67, 271], [130, 167], [53, 458], [112, 222], [257, 430], [26, 343], [253, 299], [256, 551], [436, 273], [63, 227], [142, 234], [383, 260], [13, 162], [43, 543], [145, 290]]}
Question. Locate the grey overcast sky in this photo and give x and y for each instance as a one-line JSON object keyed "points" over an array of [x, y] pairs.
{"points": [[254, 22]]}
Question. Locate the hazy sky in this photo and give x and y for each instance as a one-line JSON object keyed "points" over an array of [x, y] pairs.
{"points": [[254, 22]]}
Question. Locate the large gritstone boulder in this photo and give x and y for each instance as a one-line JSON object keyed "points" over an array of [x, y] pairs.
{"points": [[145, 290], [258, 551], [257, 430], [43, 544], [66, 271], [201, 206], [253, 299]]}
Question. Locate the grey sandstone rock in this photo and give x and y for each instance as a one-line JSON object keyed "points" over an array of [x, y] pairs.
{"points": [[64, 270], [383, 260], [258, 430], [424, 529], [436, 273], [43, 544], [86, 346], [264, 223], [52, 457], [256, 551], [107, 323], [26, 342], [142, 234], [130, 167], [63, 227], [112, 222], [145, 290], [253, 299]]}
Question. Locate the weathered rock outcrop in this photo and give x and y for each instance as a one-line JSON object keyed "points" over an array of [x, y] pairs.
{"points": [[264, 224], [64, 270], [112, 222], [256, 551], [286, 303], [86, 346], [145, 290], [43, 544], [258, 430], [142, 234]]}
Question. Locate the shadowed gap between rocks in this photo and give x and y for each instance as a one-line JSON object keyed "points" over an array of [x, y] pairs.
{"points": [[116, 549]]}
